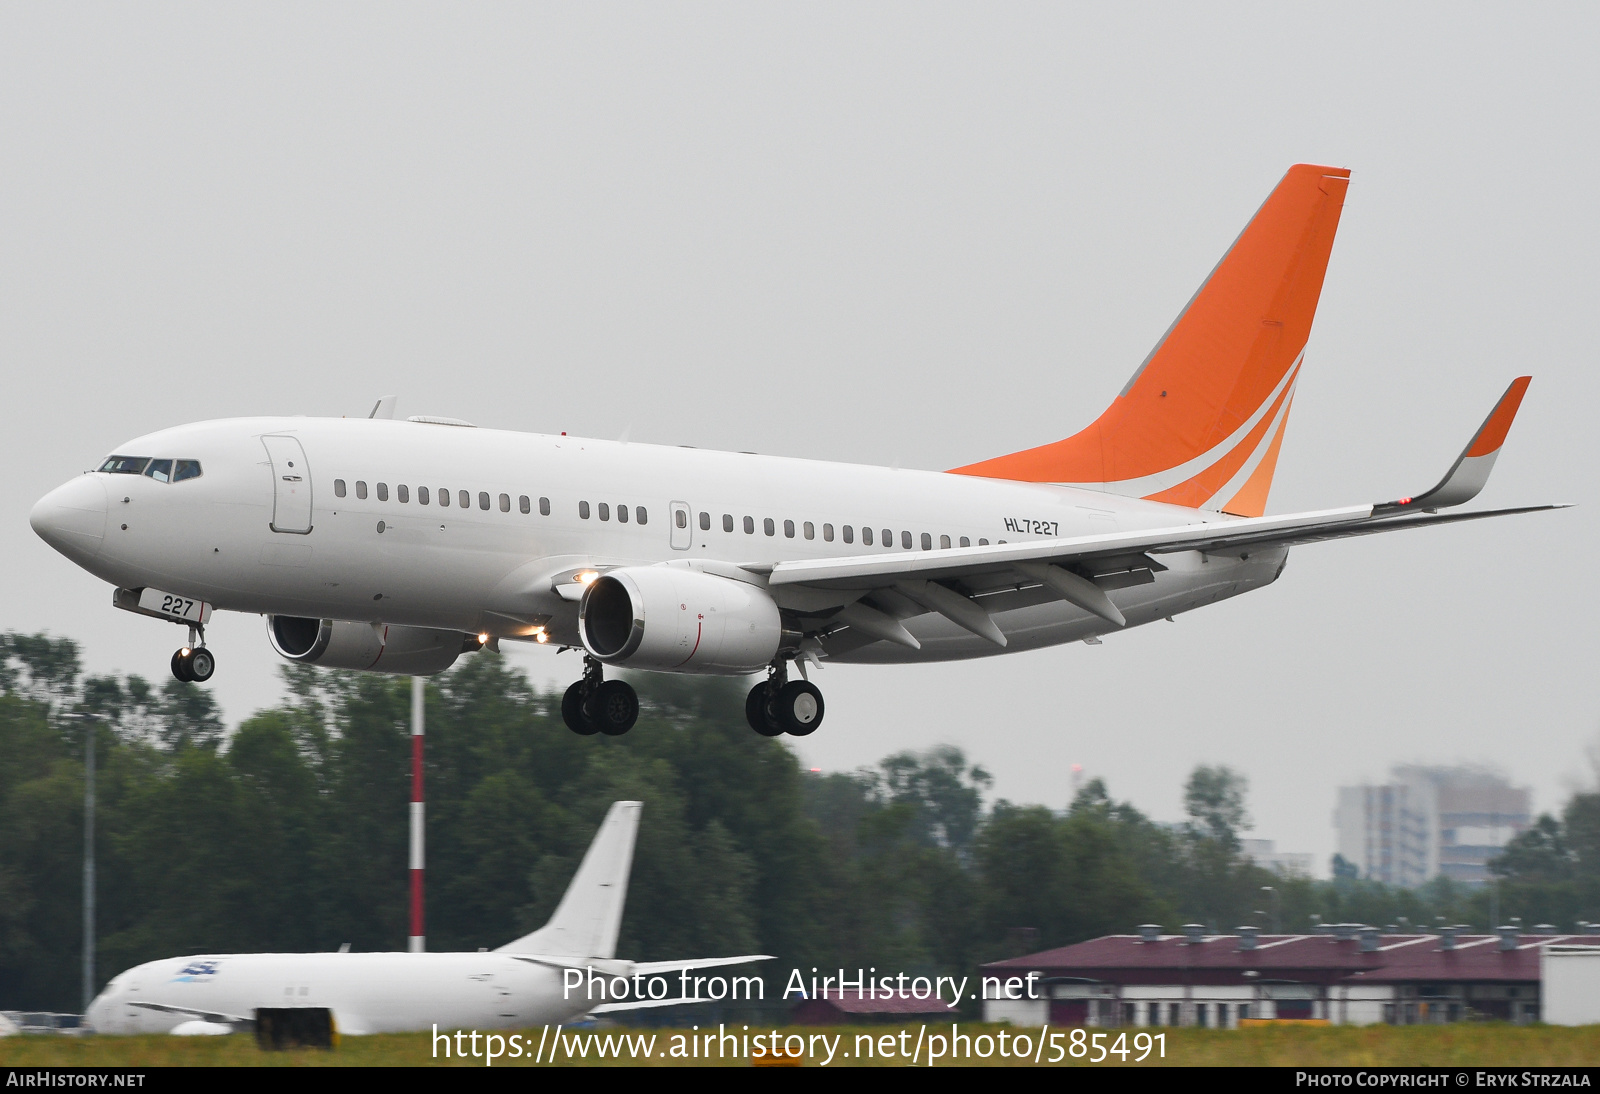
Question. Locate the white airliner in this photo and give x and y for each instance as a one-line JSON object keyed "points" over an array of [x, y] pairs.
{"points": [[532, 981], [394, 546]]}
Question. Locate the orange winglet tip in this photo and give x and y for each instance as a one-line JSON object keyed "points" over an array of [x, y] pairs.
{"points": [[1469, 474], [1493, 432]]}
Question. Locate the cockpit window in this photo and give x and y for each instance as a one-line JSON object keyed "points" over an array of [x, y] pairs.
{"points": [[185, 469], [160, 470], [125, 465]]}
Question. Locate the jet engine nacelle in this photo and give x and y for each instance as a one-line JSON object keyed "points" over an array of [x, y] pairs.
{"points": [[373, 647], [671, 619]]}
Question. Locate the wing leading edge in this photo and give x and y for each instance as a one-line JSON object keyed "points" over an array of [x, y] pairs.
{"points": [[1081, 569]]}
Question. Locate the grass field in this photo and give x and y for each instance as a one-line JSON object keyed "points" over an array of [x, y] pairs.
{"points": [[1445, 1046]]}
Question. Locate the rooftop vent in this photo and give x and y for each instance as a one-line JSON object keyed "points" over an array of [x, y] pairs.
{"points": [[1508, 937], [1447, 938], [1544, 928], [1248, 939], [1149, 932], [1195, 933], [1369, 938], [1346, 932]]}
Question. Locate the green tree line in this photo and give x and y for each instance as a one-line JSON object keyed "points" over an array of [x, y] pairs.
{"points": [[290, 834]]}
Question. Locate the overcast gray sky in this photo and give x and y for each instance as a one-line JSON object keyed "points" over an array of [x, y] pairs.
{"points": [[916, 234]]}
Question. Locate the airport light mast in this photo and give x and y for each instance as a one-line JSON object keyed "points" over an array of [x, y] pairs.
{"points": [[418, 940], [1277, 908], [88, 852]]}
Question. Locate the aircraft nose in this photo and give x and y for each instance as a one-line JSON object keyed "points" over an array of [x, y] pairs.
{"points": [[95, 1016], [72, 518]]}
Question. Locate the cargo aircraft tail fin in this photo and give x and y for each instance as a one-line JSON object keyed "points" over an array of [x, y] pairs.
{"points": [[586, 922]]}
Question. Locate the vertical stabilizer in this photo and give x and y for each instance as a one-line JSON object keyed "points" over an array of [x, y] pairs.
{"points": [[1201, 422], [586, 922]]}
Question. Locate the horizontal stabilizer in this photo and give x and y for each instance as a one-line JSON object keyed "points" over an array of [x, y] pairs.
{"points": [[656, 968], [641, 1004], [1470, 472]]}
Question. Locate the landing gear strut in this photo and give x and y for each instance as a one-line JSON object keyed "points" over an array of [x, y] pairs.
{"points": [[779, 705], [194, 664], [597, 705]]}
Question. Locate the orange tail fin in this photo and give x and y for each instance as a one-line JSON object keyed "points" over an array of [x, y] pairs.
{"points": [[1202, 419]]}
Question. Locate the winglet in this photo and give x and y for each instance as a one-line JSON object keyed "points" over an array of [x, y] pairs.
{"points": [[1470, 472]]}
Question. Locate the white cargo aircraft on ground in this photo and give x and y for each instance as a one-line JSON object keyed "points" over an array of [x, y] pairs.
{"points": [[530, 982], [393, 546]]}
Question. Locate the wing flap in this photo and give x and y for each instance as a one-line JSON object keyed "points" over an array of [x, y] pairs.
{"points": [[1050, 557], [872, 571]]}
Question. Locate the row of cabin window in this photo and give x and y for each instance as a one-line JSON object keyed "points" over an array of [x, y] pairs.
{"points": [[640, 514], [464, 500], [809, 530], [402, 493]]}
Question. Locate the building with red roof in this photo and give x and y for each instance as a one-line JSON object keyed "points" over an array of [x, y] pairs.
{"points": [[832, 1007], [1342, 974]]}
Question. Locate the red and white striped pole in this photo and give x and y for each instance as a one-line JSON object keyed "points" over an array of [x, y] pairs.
{"points": [[418, 938]]}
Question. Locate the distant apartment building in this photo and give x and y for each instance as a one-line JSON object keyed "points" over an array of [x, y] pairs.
{"points": [[1428, 822], [1264, 853]]}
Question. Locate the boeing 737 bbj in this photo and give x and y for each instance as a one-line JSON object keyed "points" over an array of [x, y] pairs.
{"points": [[394, 546]]}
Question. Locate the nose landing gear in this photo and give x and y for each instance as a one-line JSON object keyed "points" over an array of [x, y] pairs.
{"points": [[779, 705], [597, 705], [194, 663]]}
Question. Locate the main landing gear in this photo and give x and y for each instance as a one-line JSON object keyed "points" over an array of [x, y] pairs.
{"points": [[194, 664], [779, 705], [597, 705]]}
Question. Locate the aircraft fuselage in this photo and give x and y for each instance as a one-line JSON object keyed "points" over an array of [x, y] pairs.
{"points": [[537, 506]]}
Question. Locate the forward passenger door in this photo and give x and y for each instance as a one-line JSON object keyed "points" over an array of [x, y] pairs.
{"points": [[291, 485]]}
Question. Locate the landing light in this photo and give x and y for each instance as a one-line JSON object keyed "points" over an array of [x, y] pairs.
{"points": [[585, 577], [483, 640], [541, 636]]}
